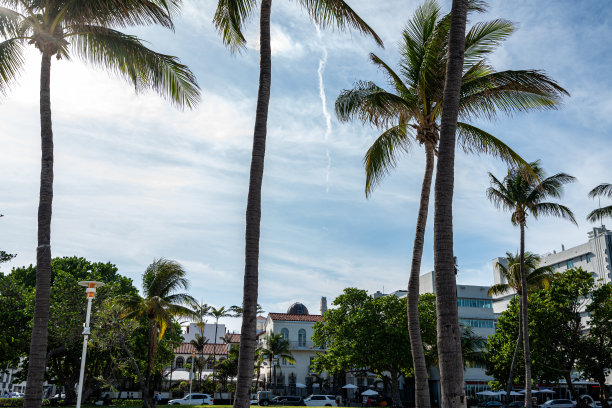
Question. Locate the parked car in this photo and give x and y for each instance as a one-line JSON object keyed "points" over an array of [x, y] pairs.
{"points": [[321, 401], [288, 401], [558, 403], [193, 399], [264, 398]]}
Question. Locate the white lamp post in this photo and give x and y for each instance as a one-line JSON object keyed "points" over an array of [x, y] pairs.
{"points": [[90, 292]]}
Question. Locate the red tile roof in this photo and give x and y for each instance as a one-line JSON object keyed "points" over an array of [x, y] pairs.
{"points": [[188, 348], [295, 317], [233, 337]]}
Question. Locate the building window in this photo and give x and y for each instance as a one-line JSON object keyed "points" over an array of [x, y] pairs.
{"points": [[285, 333], [302, 338], [570, 264], [588, 258], [179, 362], [478, 323], [479, 303]]}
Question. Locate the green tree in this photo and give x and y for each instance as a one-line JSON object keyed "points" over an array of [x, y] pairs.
{"points": [[229, 19], [16, 304], [275, 346], [602, 190], [87, 30], [217, 314], [537, 278], [199, 343], [411, 112], [523, 192], [596, 359], [160, 304]]}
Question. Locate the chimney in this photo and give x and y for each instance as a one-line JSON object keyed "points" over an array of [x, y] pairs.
{"points": [[562, 247], [323, 305]]}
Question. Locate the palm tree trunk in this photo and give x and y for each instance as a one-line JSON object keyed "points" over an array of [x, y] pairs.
{"points": [[525, 321], [215, 355], [395, 395], [449, 334], [151, 356], [421, 382], [40, 324], [515, 356], [253, 215]]}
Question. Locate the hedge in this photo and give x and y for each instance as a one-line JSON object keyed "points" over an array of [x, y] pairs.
{"points": [[17, 402]]}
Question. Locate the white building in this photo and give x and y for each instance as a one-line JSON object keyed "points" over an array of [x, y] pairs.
{"points": [[296, 326]]}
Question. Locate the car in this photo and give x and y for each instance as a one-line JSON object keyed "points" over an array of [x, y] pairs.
{"points": [[516, 404], [321, 401], [558, 403], [264, 397], [193, 399], [288, 401]]}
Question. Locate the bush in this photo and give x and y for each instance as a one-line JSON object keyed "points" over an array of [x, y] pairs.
{"points": [[11, 402], [127, 402]]}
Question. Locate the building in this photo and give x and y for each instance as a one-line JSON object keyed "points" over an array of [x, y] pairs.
{"points": [[296, 326], [475, 308]]}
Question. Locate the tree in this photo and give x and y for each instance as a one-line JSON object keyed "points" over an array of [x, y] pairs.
{"points": [[537, 278], [522, 192], [411, 113], [229, 19], [217, 314], [602, 190], [199, 343], [201, 311], [160, 304], [64, 28], [596, 359], [276, 346]]}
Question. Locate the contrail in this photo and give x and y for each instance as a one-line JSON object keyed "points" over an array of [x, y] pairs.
{"points": [[328, 126]]}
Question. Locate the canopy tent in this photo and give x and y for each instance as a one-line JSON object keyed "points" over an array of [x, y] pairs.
{"points": [[300, 385], [487, 393], [546, 391], [532, 391], [369, 392], [350, 387], [514, 393]]}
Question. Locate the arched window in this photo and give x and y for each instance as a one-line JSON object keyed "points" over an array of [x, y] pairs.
{"points": [[285, 333], [302, 338], [188, 360], [179, 362]]}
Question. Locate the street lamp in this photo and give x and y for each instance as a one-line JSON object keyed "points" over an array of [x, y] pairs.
{"points": [[90, 292]]}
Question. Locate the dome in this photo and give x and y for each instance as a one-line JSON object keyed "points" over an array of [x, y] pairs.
{"points": [[297, 308]]}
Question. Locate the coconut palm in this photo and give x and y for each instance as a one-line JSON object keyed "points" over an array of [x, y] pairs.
{"points": [[86, 30], [199, 343], [229, 19], [537, 278], [409, 114], [602, 190], [217, 314], [160, 304], [522, 194], [276, 346]]}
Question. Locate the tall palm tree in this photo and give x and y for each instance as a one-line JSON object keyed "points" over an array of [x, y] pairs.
{"points": [[87, 30], [161, 303], [522, 192], [411, 112], [199, 342], [276, 345], [602, 190], [537, 278], [229, 19], [217, 314]]}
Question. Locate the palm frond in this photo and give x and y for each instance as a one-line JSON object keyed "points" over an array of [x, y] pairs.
{"points": [[10, 22], [602, 190], [382, 156], [553, 209], [338, 13], [371, 104], [229, 19], [394, 79], [11, 63], [484, 37], [475, 140], [126, 56], [498, 194], [499, 289], [508, 92], [600, 214]]}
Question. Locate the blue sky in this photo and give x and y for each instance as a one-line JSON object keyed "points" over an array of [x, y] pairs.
{"points": [[137, 179]]}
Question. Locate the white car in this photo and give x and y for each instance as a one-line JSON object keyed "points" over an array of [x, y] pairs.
{"points": [[193, 399], [321, 401], [558, 403]]}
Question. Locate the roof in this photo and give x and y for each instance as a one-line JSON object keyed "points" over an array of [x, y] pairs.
{"points": [[233, 337], [261, 318], [295, 317], [188, 348]]}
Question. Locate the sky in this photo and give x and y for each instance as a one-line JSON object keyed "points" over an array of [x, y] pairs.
{"points": [[137, 179]]}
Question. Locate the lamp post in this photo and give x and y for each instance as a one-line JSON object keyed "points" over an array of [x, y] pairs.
{"points": [[90, 292]]}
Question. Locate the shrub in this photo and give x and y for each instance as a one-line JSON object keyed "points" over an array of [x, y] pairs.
{"points": [[11, 402]]}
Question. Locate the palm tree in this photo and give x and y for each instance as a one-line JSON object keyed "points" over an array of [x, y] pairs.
{"points": [[237, 311], [217, 314], [85, 29], [275, 345], [229, 19], [537, 278], [411, 112], [199, 342], [602, 190], [522, 194], [160, 304]]}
